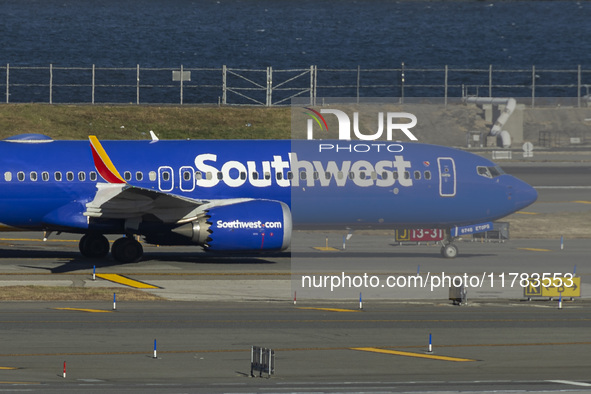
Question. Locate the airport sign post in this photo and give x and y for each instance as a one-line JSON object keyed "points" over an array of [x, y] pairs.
{"points": [[552, 287]]}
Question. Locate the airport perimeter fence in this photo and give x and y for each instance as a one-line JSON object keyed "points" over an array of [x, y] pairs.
{"points": [[275, 87]]}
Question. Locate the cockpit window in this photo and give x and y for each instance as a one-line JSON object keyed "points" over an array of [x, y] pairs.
{"points": [[496, 171], [490, 172]]}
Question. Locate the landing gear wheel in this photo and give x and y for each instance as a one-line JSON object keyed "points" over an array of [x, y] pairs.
{"points": [[449, 251], [127, 250], [95, 246]]}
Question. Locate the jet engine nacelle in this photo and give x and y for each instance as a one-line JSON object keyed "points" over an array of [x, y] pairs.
{"points": [[255, 225]]}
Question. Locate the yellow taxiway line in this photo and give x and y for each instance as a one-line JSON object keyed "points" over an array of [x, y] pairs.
{"points": [[535, 249], [409, 354], [122, 280], [84, 310], [329, 309]]}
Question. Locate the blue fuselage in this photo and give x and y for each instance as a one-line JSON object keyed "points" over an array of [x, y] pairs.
{"points": [[325, 183]]}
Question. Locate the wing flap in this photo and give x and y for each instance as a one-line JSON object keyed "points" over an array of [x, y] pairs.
{"points": [[122, 201]]}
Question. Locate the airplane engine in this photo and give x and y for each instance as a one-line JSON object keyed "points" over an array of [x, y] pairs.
{"points": [[256, 225]]}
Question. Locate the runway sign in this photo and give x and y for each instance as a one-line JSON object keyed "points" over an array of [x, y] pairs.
{"points": [[555, 289]]}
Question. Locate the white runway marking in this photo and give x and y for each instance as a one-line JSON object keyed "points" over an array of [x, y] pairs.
{"points": [[571, 382]]}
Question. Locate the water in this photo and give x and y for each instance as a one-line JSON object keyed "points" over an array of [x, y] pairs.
{"points": [[290, 33], [285, 34]]}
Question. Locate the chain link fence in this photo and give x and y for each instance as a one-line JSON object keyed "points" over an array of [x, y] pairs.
{"points": [[273, 87]]}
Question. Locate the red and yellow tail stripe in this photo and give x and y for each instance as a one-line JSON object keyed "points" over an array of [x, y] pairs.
{"points": [[103, 163]]}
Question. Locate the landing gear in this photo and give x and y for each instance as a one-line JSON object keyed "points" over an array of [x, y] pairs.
{"points": [[94, 246], [127, 250], [449, 251]]}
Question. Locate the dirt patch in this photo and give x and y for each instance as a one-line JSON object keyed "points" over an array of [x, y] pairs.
{"points": [[57, 293], [550, 225]]}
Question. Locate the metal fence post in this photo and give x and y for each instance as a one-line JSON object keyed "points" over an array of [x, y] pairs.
{"points": [[402, 83], [93, 82], [533, 86], [269, 101], [445, 89], [315, 84], [579, 86], [181, 84], [358, 80], [311, 85], [50, 83], [490, 80], [137, 89], [224, 84], [7, 82]]}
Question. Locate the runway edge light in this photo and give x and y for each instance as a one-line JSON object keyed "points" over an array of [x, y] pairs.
{"points": [[360, 302]]}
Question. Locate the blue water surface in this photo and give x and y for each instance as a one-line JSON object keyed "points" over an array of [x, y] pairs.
{"points": [[290, 33]]}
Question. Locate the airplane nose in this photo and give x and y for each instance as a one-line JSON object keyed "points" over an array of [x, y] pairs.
{"points": [[520, 193]]}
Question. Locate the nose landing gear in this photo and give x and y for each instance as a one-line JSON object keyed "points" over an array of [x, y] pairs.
{"points": [[449, 251]]}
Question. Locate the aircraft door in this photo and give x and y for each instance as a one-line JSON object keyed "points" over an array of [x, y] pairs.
{"points": [[187, 179], [447, 176], [165, 179]]}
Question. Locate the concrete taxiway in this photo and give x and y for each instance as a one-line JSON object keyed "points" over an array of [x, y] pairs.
{"points": [[205, 346], [215, 308]]}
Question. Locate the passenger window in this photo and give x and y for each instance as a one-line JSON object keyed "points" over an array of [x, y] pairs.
{"points": [[315, 175], [127, 175], [417, 175], [279, 176], [220, 175], [93, 176], [70, 176], [255, 175], [165, 176], [289, 175], [327, 175], [139, 176], [198, 175], [362, 175], [374, 175], [81, 176], [351, 175], [395, 174], [45, 176], [428, 175], [340, 175], [242, 175], [385, 175], [8, 176], [406, 175], [152, 176], [57, 176], [20, 176], [267, 175], [303, 175], [33, 176]]}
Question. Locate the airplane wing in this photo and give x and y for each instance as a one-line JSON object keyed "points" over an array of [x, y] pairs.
{"points": [[116, 199], [122, 201]]}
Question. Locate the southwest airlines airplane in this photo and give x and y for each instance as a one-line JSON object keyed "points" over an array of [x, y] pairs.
{"points": [[243, 196]]}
